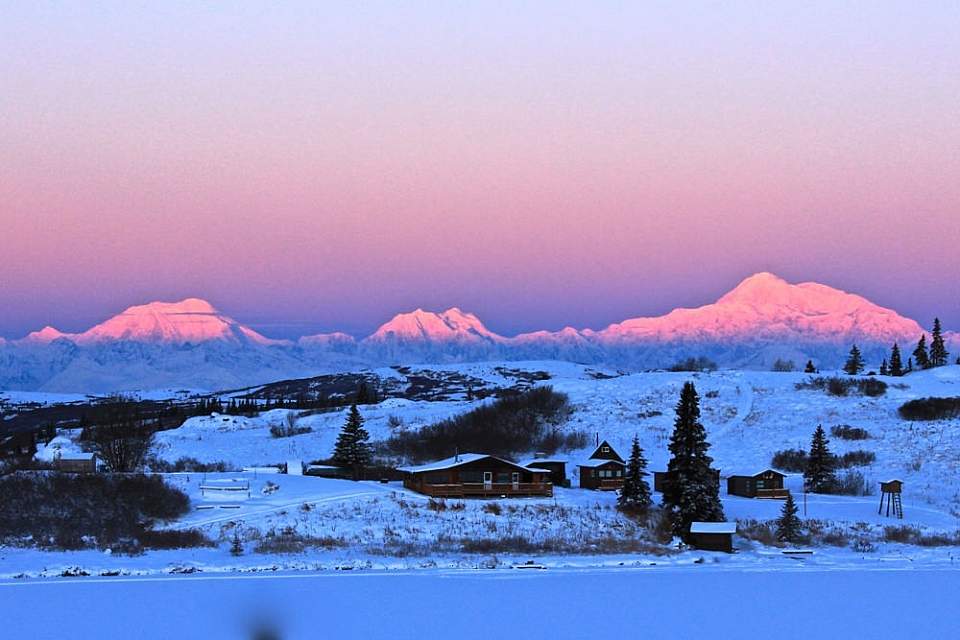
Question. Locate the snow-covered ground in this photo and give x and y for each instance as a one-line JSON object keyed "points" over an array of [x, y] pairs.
{"points": [[748, 415], [703, 602]]}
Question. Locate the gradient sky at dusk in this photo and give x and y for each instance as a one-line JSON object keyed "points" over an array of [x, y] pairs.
{"points": [[315, 166]]}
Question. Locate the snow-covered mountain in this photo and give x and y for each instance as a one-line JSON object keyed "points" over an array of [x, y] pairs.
{"points": [[418, 336], [189, 343]]}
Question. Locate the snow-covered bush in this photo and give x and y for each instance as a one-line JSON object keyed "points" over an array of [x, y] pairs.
{"points": [[930, 409]]}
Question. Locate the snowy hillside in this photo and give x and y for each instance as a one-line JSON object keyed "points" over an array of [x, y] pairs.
{"points": [[749, 416], [191, 344]]}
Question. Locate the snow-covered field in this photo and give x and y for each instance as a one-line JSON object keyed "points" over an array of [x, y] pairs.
{"points": [[705, 602], [306, 523], [749, 415]]}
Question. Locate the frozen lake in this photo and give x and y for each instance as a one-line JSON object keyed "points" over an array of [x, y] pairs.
{"points": [[647, 603]]}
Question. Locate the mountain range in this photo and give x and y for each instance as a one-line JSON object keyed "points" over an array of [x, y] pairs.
{"points": [[191, 344]]}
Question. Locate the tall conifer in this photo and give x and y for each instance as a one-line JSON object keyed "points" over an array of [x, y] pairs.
{"points": [[896, 363], [352, 450], [819, 474], [692, 492], [854, 363], [635, 495], [938, 348], [920, 356]]}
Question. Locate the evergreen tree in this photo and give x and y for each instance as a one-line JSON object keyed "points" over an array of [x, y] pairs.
{"points": [[810, 368], [896, 364], [920, 356], [909, 365], [692, 493], [788, 524], [819, 474], [352, 450], [635, 495], [938, 349], [854, 363], [884, 369]]}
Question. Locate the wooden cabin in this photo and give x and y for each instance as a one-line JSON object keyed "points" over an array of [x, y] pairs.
{"points": [[477, 475], [758, 484], [660, 479], [712, 536], [603, 470], [556, 466], [76, 463]]}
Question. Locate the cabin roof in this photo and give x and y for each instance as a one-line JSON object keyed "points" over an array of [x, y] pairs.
{"points": [[752, 473], [713, 527], [460, 460], [598, 462], [532, 462]]}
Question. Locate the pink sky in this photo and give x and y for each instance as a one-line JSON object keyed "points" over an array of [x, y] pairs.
{"points": [[310, 168]]}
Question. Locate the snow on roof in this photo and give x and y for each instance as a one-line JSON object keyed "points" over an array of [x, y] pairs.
{"points": [[462, 459], [753, 472], [595, 462], [532, 462], [713, 527]]}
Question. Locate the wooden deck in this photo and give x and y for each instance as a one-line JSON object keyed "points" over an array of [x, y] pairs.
{"points": [[614, 484], [482, 490], [773, 494]]}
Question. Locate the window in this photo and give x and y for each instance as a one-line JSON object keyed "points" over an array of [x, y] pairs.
{"points": [[606, 449]]}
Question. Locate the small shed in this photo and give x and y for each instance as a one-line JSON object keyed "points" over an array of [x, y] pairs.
{"points": [[767, 483], [76, 463], [556, 466], [712, 536], [603, 470]]}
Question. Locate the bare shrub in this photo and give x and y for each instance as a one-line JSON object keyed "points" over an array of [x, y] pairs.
{"points": [[846, 432]]}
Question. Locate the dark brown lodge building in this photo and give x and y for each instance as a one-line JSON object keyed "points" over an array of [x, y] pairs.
{"points": [[476, 475]]}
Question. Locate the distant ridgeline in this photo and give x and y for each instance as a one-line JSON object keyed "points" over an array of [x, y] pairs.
{"points": [[764, 322]]}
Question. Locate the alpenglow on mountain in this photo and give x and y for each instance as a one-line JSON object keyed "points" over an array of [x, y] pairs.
{"points": [[191, 344]]}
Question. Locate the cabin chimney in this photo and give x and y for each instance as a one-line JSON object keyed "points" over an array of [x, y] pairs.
{"points": [[598, 438], [456, 454]]}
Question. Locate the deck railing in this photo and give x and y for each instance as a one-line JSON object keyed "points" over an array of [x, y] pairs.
{"points": [[773, 494], [487, 489], [611, 484]]}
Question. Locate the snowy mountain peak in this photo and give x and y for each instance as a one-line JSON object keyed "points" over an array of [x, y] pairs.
{"points": [[45, 336], [419, 325], [767, 307], [188, 321]]}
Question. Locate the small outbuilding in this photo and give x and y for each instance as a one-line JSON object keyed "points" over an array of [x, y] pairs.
{"points": [[712, 536], [76, 463], [556, 466], [604, 469], [477, 475], [767, 483]]}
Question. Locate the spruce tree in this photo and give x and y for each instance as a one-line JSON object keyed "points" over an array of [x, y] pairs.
{"points": [[938, 348], [788, 524], [909, 365], [352, 449], [896, 364], [692, 493], [635, 495], [819, 474], [920, 356], [810, 368], [884, 369], [854, 363]]}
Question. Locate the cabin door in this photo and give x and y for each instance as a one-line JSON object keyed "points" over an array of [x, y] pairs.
{"points": [[488, 480], [515, 479]]}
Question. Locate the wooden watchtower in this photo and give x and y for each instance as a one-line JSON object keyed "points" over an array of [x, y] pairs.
{"points": [[890, 491]]}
